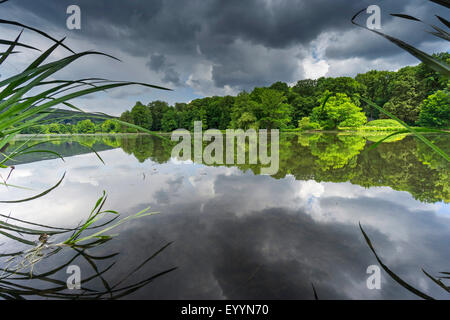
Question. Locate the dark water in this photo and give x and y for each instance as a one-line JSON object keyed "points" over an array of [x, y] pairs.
{"points": [[235, 234]]}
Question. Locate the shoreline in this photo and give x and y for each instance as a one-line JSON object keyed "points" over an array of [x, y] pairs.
{"points": [[349, 132]]}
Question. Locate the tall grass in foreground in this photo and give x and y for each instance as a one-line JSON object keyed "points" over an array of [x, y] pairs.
{"points": [[19, 266], [437, 280], [435, 64], [28, 97], [444, 69]]}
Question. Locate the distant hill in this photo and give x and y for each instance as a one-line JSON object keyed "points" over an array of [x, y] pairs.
{"points": [[72, 116]]}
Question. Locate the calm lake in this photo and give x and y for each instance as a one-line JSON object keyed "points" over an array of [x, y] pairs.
{"points": [[232, 233]]}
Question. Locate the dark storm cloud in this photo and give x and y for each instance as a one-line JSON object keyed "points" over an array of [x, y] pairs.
{"points": [[158, 63], [362, 43], [247, 43]]}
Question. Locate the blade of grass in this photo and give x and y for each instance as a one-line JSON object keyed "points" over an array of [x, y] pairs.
{"points": [[391, 273], [37, 196], [438, 282], [433, 63], [14, 23], [10, 49], [410, 129], [445, 3]]}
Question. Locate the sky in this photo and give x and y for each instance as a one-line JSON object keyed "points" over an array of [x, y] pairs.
{"points": [[203, 48]]}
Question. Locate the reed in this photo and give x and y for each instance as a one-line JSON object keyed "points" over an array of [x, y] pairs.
{"points": [[28, 97], [18, 269], [437, 65]]}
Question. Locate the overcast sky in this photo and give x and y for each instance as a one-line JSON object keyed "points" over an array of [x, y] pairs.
{"points": [[217, 47]]}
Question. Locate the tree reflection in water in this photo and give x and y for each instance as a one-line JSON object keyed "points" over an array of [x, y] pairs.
{"points": [[403, 165]]}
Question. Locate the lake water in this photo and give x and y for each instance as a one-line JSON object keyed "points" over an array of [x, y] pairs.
{"points": [[232, 233]]}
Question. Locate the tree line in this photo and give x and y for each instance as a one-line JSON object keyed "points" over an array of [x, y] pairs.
{"points": [[86, 126], [415, 94]]}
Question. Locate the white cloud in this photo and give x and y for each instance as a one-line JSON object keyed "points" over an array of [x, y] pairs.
{"points": [[315, 69]]}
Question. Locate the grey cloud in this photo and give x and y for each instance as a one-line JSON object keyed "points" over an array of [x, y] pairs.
{"points": [[158, 63], [247, 43], [172, 76]]}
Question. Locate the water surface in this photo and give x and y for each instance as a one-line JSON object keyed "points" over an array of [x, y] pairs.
{"points": [[235, 234]]}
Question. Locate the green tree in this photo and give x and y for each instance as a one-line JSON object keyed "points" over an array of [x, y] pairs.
{"points": [[169, 120], [339, 111], [306, 124], [98, 128], [246, 121], [86, 126], [157, 109], [306, 88], [431, 81], [110, 126], [126, 117], [302, 106], [243, 112], [218, 112], [142, 116], [281, 86], [435, 110], [54, 128], [193, 111], [274, 111], [347, 85], [405, 100], [377, 84]]}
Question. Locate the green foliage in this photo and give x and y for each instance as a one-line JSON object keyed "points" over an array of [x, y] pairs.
{"points": [[383, 123], [274, 111], [280, 106], [406, 99], [110, 126], [439, 64], [281, 87], [306, 88], [142, 116], [381, 126], [430, 80], [23, 105], [338, 111], [346, 85], [54, 128], [128, 118], [377, 85], [157, 110], [169, 120], [436, 110], [86, 126], [306, 124], [243, 114]]}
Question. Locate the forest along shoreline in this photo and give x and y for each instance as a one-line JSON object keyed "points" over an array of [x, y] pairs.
{"points": [[416, 95]]}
